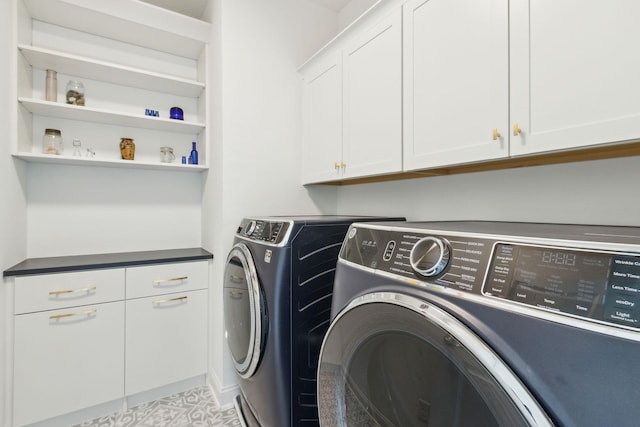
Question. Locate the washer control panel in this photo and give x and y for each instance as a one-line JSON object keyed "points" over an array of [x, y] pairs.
{"points": [[272, 232], [551, 274]]}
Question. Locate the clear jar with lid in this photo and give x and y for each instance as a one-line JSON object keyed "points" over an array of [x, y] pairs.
{"points": [[52, 142], [75, 93]]}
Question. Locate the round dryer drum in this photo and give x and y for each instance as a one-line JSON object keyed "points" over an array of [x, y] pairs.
{"points": [[390, 359], [244, 311]]}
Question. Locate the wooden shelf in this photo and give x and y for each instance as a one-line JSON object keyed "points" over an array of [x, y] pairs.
{"points": [[129, 21], [609, 151], [42, 59], [129, 164], [88, 114]]}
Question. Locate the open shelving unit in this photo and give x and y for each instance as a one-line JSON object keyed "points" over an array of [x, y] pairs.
{"points": [[77, 39]]}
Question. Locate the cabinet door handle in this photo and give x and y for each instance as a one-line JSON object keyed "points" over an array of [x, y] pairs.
{"points": [[336, 165], [516, 129], [163, 301], [78, 313], [72, 291], [173, 279], [496, 134]]}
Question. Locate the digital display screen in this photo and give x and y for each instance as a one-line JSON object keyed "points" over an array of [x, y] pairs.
{"points": [[595, 285], [561, 280]]}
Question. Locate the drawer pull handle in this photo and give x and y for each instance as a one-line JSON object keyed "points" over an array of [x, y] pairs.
{"points": [[79, 313], [173, 279], [163, 301], [72, 291]]}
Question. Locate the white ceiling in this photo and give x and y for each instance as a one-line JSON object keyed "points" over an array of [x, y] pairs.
{"points": [[195, 8]]}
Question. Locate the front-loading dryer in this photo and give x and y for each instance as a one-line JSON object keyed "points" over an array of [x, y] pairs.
{"points": [[483, 324], [278, 283]]}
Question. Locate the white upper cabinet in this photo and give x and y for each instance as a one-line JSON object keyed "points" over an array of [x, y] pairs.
{"points": [[130, 57], [574, 73], [322, 121], [456, 82], [372, 103], [352, 101]]}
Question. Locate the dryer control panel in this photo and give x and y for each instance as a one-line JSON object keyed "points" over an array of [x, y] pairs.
{"points": [[270, 232], [586, 272]]}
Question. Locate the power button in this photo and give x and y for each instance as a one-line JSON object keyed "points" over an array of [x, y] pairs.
{"points": [[388, 250]]}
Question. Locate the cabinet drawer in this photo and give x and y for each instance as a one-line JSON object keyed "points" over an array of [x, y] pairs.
{"points": [[166, 278], [166, 339], [60, 290], [67, 360]]}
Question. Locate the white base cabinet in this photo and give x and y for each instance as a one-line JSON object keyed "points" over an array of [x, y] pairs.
{"points": [[86, 338], [166, 328], [166, 339], [66, 360]]}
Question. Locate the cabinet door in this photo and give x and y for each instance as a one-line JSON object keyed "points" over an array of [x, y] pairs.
{"points": [[322, 122], [574, 73], [67, 360], [372, 63], [455, 82], [166, 340]]}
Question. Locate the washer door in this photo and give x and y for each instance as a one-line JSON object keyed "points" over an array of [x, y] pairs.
{"points": [[393, 360], [244, 311]]}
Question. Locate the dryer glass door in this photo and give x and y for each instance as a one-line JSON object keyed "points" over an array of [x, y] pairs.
{"points": [[244, 311], [393, 360]]}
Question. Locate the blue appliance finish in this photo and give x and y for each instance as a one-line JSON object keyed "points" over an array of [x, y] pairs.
{"points": [[278, 285], [554, 306]]}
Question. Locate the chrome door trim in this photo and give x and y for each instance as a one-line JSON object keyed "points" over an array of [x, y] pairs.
{"points": [[504, 376], [249, 366]]}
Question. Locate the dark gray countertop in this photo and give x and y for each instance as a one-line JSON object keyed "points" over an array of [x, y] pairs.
{"points": [[101, 261]]}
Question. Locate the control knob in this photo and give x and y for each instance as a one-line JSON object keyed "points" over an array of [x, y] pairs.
{"points": [[250, 227], [429, 256]]}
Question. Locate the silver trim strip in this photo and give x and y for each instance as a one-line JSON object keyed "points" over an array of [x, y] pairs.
{"points": [[249, 366], [520, 396], [584, 244]]}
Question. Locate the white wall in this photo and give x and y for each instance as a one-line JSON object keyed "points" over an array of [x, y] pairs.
{"points": [[256, 49], [12, 182], [80, 209], [594, 192]]}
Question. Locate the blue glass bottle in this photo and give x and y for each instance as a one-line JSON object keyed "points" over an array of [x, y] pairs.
{"points": [[193, 157]]}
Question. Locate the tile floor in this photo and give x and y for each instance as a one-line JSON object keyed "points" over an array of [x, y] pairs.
{"points": [[192, 408]]}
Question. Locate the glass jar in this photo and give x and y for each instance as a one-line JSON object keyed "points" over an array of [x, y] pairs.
{"points": [[75, 93], [166, 155], [127, 148], [52, 142]]}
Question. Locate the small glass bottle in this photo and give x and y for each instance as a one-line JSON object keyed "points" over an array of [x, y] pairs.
{"points": [[76, 148], [51, 86], [52, 142], [193, 156], [75, 93]]}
